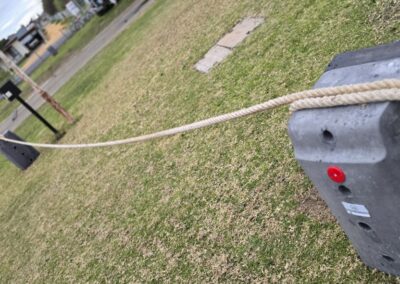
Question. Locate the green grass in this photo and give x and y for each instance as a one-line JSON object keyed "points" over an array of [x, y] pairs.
{"points": [[3, 75], [223, 204]]}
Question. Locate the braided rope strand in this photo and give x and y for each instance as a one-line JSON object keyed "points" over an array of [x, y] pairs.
{"points": [[386, 90], [347, 99]]}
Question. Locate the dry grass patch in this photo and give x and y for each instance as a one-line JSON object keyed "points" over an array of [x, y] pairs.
{"points": [[221, 204], [312, 205]]}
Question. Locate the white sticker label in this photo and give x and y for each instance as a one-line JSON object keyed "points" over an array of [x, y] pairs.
{"points": [[356, 209]]}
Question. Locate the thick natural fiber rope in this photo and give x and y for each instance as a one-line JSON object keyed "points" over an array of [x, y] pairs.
{"points": [[386, 90], [347, 99]]}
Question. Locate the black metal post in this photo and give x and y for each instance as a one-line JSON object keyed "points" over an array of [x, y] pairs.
{"points": [[41, 118]]}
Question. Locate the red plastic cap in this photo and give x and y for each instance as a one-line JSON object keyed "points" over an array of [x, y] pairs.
{"points": [[336, 174]]}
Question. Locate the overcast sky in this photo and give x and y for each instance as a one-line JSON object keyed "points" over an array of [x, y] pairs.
{"points": [[14, 13]]}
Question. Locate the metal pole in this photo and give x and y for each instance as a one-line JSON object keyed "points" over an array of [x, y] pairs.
{"points": [[20, 73], [38, 116]]}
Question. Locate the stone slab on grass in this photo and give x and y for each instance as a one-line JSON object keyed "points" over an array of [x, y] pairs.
{"points": [[249, 24], [214, 56], [225, 45], [240, 32]]}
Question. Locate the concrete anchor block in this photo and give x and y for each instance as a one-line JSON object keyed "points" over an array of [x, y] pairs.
{"points": [[352, 156]]}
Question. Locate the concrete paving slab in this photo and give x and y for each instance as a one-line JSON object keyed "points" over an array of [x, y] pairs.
{"points": [[232, 39], [214, 56], [225, 45], [240, 32], [249, 24]]}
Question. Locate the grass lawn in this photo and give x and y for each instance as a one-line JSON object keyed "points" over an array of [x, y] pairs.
{"points": [[223, 204]]}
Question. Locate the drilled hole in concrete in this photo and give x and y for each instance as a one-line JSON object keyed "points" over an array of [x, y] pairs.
{"points": [[388, 258], [345, 190], [327, 136], [364, 226]]}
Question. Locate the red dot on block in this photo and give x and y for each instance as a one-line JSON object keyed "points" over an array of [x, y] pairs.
{"points": [[336, 174]]}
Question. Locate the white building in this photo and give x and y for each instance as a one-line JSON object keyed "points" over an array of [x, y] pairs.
{"points": [[22, 43]]}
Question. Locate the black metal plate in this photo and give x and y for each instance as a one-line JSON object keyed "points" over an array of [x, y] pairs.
{"points": [[9, 86]]}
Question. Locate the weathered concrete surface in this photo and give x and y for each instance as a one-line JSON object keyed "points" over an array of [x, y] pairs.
{"points": [[225, 45], [240, 32], [214, 56]]}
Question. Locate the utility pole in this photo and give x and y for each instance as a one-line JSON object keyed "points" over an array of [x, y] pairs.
{"points": [[37, 89], [10, 91]]}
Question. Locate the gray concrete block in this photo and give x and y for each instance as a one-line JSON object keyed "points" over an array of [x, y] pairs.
{"points": [[21, 156], [352, 156]]}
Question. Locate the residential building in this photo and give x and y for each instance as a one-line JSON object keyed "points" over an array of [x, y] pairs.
{"points": [[24, 41]]}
